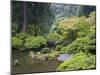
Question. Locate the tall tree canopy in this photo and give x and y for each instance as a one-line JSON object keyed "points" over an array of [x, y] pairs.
{"points": [[32, 14], [36, 18]]}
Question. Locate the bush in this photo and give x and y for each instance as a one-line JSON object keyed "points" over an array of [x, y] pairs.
{"points": [[78, 45], [22, 35], [34, 42], [92, 19], [92, 42], [68, 23], [83, 27], [72, 34], [45, 50], [80, 61], [58, 47], [53, 36], [92, 34], [16, 43], [75, 27], [85, 44], [91, 46], [63, 49]]}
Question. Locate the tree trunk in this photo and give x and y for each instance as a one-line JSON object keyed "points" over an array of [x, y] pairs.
{"points": [[36, 20], [24, 18], [79, 11]]}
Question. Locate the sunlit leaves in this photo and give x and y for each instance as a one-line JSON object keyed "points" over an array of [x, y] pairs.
{"points": [[79, 61]]}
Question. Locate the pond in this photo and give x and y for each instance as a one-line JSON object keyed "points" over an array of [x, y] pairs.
{"points": [[63, 57], [27, 65]]}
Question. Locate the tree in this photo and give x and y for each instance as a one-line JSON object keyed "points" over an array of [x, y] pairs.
{"points": [[24, 17], [32, 14]]}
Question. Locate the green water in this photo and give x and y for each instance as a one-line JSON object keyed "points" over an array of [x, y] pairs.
{"points": [[26, 64]]}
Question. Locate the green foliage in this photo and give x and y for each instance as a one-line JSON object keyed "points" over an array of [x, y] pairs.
{"points": [[45, 50], [14, 28], [92, 18], [93, 14], [34, 42], [63, 49], [72, 34], [78, 45], [30, 29], [91, 46], [80, 61], [53, 36], [92, 42], [22, 35], [58, 47], [81, 34], [16, 43], [73, 27], [83, 27], [68, 23], [92, 34]]}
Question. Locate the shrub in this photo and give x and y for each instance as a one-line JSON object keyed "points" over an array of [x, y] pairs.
{"points": [[78, 62], [65, 35], [78, 45], [16, 43], [85, 44], [34, 42], [63, 49], [81, 34], [92, 42], [92, 34], [68, 23], [22, 35], [58, 47], [72, 34], [75, 27], [53, 36], [92, 19], [45, 50], [83, 27], [91, 46]]}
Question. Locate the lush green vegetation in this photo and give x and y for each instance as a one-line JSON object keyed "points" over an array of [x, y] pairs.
{"points": [[48, 37], [83, 48], [34, 42], [78, 62]]}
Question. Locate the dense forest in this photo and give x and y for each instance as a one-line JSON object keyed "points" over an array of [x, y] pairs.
{"points": [[44, 32]]}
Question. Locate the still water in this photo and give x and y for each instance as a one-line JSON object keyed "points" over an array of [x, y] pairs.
{"points": [[63, 57], [28, 66]]}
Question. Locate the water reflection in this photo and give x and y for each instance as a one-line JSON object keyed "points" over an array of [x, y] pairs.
{"points": [[26, 64], [63, 57]]}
